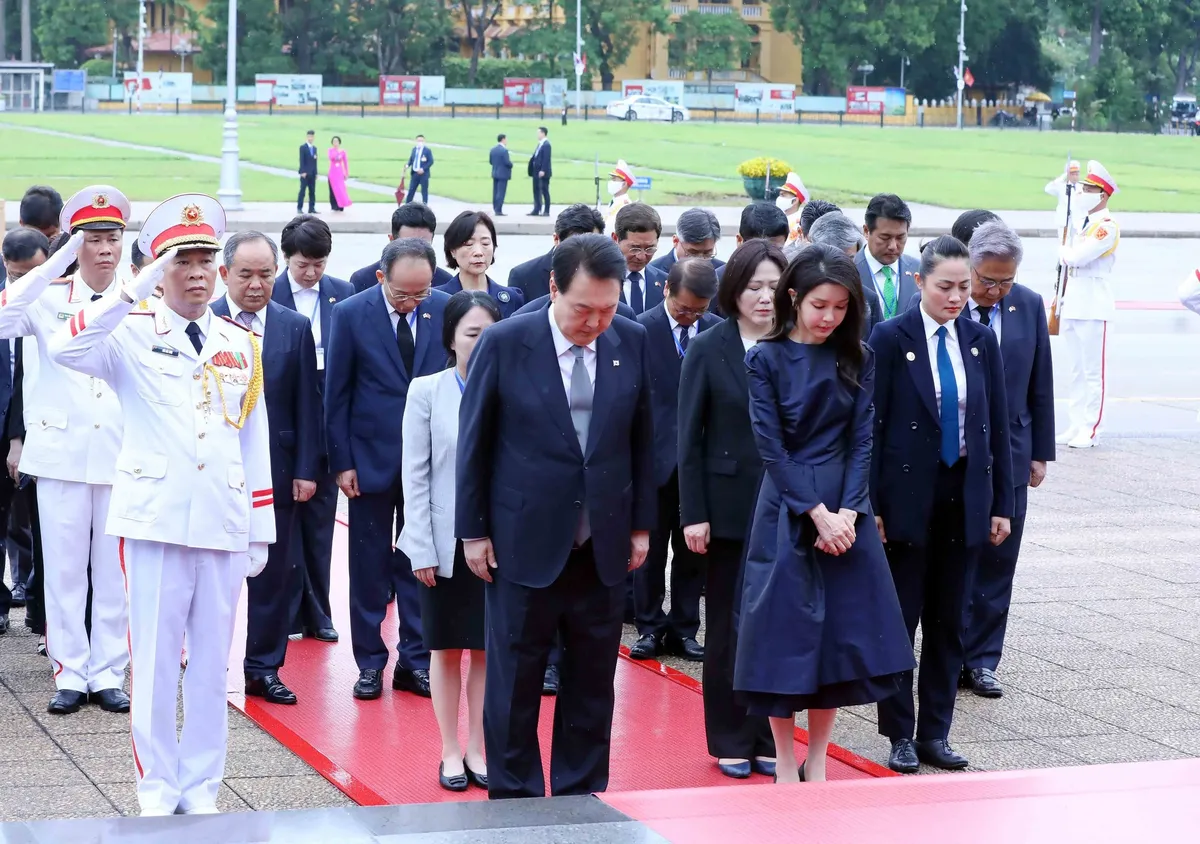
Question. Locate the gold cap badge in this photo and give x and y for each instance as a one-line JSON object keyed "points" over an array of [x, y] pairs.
{"points": [[191, 216]]}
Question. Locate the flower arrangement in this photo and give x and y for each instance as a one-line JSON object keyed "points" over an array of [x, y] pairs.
{"points": [[756, 168]]}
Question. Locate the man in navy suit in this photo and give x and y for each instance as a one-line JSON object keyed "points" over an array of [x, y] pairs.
{"points": [[308, 174], [380, 341], [415, 220], [883, 266], [760, 221], [839, 231], [502, 167], [420, 162], [1017, 316], [696, 236], [303, 287], [533, 277], [540, 171], [290, 385], [671, 326], [636, 230], [555, 505]]}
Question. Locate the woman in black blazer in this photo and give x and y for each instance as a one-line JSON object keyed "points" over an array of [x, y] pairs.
{"points": [[719, 471]]}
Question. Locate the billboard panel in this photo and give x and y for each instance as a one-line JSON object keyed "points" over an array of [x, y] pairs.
{"points": [[671, 91], [866, 100], [159, 86], [287, 89], [412, 91], [767, 97], [519, 92]]}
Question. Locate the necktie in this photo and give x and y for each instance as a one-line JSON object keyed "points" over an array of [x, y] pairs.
{"points": [[985, 314], [636, 301], [96, 296], [581, 416], [949, 410], [683, 340], [889, 293], [246, 318], [404, 339], [193, 333]]}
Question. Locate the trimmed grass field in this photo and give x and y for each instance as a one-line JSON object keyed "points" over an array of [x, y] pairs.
{"points": [[689, 162]]}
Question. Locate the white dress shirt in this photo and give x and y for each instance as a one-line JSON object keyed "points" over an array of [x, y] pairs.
{"points": [[410, 319], [566, 358], [308, 304], [995, 321], [627, 288], [418, 153], [956, 363], [691, 329], [176, 322], [258, 321], [877, 277]]}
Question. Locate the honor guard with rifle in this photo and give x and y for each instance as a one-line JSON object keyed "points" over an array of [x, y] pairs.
{"points": [[1086, 301]]}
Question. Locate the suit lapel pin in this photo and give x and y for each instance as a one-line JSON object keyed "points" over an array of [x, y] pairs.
{"points": [[1012, 308], [658, 284], [425, 316], [332, 299], [503, 296], [616, 363], [975, 352], [911, 357]]}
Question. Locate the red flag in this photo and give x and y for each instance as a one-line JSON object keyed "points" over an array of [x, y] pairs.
{"points": [[969, 78]]}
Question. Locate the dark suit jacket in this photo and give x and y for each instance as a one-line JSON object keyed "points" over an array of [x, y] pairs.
{"points": [[719, 463], [330, 291], [532, 278], [509, 301], [906, 451], [539, 162], [308, 161], [654, 283], [906, 286], [542, 302], [665, 369], [426, 162], [663, 263], [501, 162], [365, 278], [522, 478], [1028, 377], [367, 384], [290, 387]]}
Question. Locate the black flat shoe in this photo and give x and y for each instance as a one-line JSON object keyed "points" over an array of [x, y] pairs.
{"points": [[903, 758], [457, 782], [939, 754], [369, 685], [271, 689], [550, 681], [735, 770], [760, 766], [110, 700], [414, 680], [476, 779], [66, 702]]}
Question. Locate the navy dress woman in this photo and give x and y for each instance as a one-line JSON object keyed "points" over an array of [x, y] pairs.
{"points": [[470, 245], [820, 625]]}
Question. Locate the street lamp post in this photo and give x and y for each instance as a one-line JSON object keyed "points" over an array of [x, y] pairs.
{"points": [[578, 53], [230, 192], [137, 89], [962, 56]]}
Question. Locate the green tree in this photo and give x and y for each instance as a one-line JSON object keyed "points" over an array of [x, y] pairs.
{"points": [[611, 28], [67, 28], [547, 38], [407, 36], [259, 40], [479, 15], [707, 43]]}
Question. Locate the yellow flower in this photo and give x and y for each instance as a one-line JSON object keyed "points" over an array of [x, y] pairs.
{"points": [[756, 168]]}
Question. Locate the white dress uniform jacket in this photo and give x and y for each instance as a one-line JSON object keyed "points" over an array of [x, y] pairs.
{"points": [[1090, 257]]}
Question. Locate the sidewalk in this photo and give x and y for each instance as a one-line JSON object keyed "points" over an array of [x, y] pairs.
{"points": [[928, 220]]}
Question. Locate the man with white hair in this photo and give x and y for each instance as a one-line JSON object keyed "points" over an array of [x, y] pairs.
{"points": [[696, 236], [839, 231]]}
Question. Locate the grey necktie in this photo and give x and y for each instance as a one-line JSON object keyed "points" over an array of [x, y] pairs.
{"points": [[246, 318], [581, 416]]}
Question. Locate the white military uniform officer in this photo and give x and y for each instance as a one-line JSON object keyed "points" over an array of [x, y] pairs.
{"points": [[1089, 303], [192, 501], [71, 448], [620, 180], [791, 199]]}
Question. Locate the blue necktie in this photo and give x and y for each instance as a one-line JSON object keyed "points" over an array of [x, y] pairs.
{"points": [[949, 409], [635, 293]]}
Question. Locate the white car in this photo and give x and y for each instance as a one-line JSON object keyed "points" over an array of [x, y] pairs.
{"points": [[647, 108]]}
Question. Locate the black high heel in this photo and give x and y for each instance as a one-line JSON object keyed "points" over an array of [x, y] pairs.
{"points": [[775, 776]]}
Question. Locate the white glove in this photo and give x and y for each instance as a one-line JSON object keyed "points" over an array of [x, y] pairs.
{"points": [[142, 287], [256, 558], [57, 264]]}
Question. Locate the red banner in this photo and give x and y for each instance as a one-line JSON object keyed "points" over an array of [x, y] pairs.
{"points": [[524, 92]]}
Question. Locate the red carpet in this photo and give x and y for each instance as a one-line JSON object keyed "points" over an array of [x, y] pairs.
{"points": [[387, 751]]}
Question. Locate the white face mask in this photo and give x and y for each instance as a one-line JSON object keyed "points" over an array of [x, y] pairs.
{"points": [[785, 201], [614, 186], [1089, 202]]}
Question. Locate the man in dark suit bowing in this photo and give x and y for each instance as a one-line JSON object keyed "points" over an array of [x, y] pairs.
{"points": [[883, 266], [381, 340], [308, 174], [304, 287], [555, 505], [696, 236], [290, 385], [540, 171], [671, 325], [533, 276], [636, 230], [1017, 315], [414, 220]]}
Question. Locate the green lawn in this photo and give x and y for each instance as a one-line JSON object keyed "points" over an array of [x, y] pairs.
{"points": [[695, 162]]}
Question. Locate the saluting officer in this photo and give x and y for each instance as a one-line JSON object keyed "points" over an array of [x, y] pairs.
{"points": [[791, 199], [71, 448], [192, 499], [1089, 303], [620, 180]]}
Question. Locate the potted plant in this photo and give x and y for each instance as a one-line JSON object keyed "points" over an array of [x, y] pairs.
{"points": [[754, 176]]}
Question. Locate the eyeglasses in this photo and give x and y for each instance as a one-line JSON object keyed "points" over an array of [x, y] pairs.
{"points": [[688, 253], [401, 298], [990, 283], [642, 251], [690, 312]]}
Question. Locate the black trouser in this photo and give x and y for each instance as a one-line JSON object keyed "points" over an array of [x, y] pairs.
{"points": [[35, 596], [541, 194], [732, 732], [687, 575], [987, 617], [7, 489], [419, 181], [499, 189], [19, 541], [269, 598], [313, 550], [522, 623], [932, 583], [307, 183]]}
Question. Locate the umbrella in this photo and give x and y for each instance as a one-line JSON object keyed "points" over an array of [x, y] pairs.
{"points": [[1037, 97]]}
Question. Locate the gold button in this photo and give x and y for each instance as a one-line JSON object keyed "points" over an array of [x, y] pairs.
{"points": [[201, 433], [200, 467]]}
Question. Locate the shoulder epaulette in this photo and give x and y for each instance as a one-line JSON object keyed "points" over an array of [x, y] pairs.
{"points": [[237, 324]]}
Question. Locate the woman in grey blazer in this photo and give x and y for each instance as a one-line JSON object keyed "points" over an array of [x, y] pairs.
{"points": [[452, 606]]}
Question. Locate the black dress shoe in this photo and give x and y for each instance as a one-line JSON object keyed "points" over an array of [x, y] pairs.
{"points": [[550, 681], [18, 596], [271, 689], [735, 770], [985, 684], [66, 702], [939, 754], [3, 624], [903, 758], [414, 680], [476, 779], [647, 647], [110, 700], [369, 685], [324, 634], [458, 782], [688, 649]]}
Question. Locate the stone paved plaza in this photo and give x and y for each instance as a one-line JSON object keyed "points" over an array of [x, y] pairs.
{"points": [[1098, 668]]}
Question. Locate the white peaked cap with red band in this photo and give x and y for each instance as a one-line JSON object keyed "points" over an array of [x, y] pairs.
{"points": [[624, 172], [187, 221], [795, 187], [94, 208], [1098, 176]]}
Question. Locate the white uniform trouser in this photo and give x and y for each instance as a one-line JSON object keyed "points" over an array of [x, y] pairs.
{"points": [[1086, 340], [173, 590], [73, 516]]}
